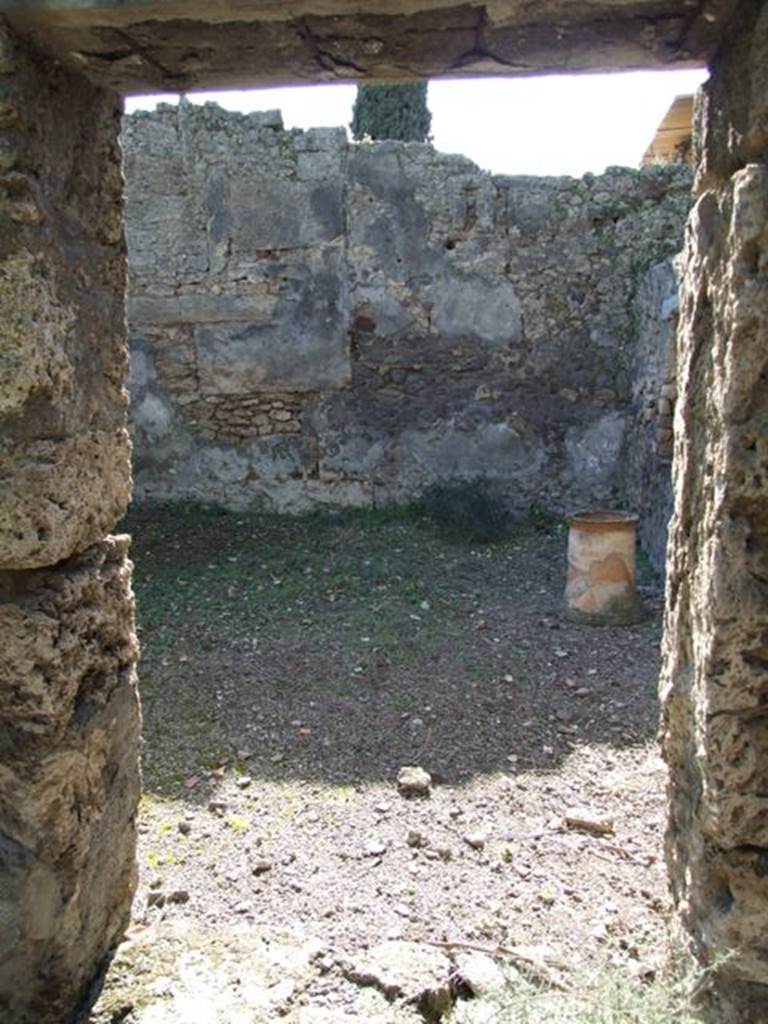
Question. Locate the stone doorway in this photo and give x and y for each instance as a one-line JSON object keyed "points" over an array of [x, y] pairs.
{"points": [[70, 776]]}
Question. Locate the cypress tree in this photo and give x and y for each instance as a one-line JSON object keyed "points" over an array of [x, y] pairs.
{"points": [[392, 111]]}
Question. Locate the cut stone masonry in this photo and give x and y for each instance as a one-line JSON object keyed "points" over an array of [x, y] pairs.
{"points": [[69, 718], [313, 321], [715, 678]]}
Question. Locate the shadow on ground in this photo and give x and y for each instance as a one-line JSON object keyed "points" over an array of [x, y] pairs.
{"points": [[338, 648], [290, 668]]}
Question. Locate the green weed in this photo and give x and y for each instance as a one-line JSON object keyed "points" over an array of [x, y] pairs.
{"points": [[602, 995]]}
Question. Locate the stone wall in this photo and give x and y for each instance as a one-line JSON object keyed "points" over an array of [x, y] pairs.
{"points": [[69, 718], [715, 677], [318, 322]]}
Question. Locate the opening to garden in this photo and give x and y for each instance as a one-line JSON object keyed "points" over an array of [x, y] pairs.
{"points": [[368, 379]]}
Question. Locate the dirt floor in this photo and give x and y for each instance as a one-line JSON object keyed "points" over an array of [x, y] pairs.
{"points": [[290, 668]]}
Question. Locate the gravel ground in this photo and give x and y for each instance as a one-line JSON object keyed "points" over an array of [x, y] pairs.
{"points": [[290, 668]]}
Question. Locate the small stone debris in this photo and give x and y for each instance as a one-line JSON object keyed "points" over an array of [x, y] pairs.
{"points": [[582, 819], [244, 782], [155, 898], [547, 896], [178, 896], [375, 848], [416, 839], [413, 781], [217, 806], [261, 866], [476, 840], [184, 827]]}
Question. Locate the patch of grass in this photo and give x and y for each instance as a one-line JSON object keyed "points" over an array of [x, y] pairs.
{"points": [[215, 757], [156, 860], [192, 567], [601, 995], [238, 822], [341, 794], [468, 510], [367, 518], [152, 803], [194, 571], [543, 520]]}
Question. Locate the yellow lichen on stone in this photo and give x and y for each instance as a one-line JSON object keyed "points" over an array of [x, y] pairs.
{"points": [[33, 328]]}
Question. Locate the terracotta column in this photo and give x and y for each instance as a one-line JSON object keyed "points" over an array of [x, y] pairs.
{"points": [[68, 707], [715, 677]]}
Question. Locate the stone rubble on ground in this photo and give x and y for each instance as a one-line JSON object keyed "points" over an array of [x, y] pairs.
{"points": [[584, 819], [413, 781], [476, 840], [414, 973]]}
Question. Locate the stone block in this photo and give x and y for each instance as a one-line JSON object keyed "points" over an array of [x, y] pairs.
{"points": [[714, 673], [273, 214], [201, 307], [60, 496], [64, 450], [69, 781]]}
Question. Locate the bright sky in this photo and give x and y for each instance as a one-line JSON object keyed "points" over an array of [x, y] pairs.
{"points": [[560, 124]]}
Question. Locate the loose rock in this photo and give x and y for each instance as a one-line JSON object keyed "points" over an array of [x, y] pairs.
{"points": [[178, 896], [476, 840], [413, 781], [416, 839], [585, 820], [481, 974], [406, 970]]}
